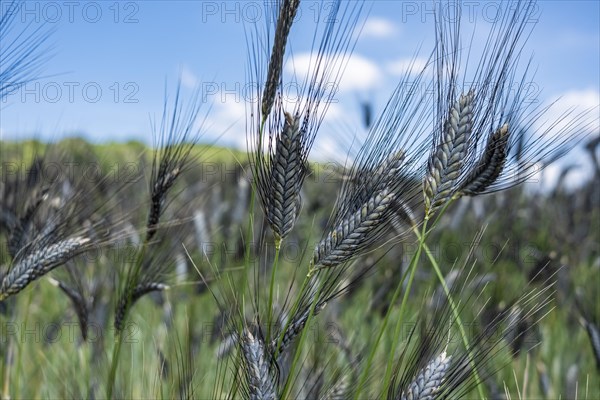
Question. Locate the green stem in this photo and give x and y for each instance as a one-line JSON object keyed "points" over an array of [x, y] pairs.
{"points": [[291, 375], [412, 270], [4, 357], [455, 312], [114, 362], [271, 288], [6, 368], [397, 330], [386, 319], [457, 318], [293, 311], [113, 365], [19, 348]]}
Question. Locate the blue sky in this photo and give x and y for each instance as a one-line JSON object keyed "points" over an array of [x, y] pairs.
{"points": [[111, 62]]}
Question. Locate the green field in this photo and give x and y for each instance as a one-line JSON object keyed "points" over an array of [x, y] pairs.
{"points": [[170, 342]]}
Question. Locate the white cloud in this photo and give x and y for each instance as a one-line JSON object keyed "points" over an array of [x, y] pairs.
{"points": [[565, 116], [379, 28], [326, 148], [227, 122], [564, 120], [400, 66], [360, 73], [546, 179], [334, 112], [188, 79], [580, 98]]}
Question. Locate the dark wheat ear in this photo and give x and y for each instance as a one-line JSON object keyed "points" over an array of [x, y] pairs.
{"points": [[20, 233], [521, 135], [365, 207], [354, 233], [126, 302], [294, 328], [446, 161], [383, 179], [281, 133], [62, 219], [489, 166], [429, 380], [258, 366], [286, 173], [436, 366], [164, 181], [175, 138], [41, 262], [287, 13]]}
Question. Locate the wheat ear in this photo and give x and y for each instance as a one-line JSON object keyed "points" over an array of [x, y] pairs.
{"points": [[137, 293], [489, 166], [294, 328], [19, 235], [354, 232], [429, 380], [381, 176], [39, 263], [164, 181], [257, 367], [176, 135], [287, 12], [286, 178], [446, 161]]}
